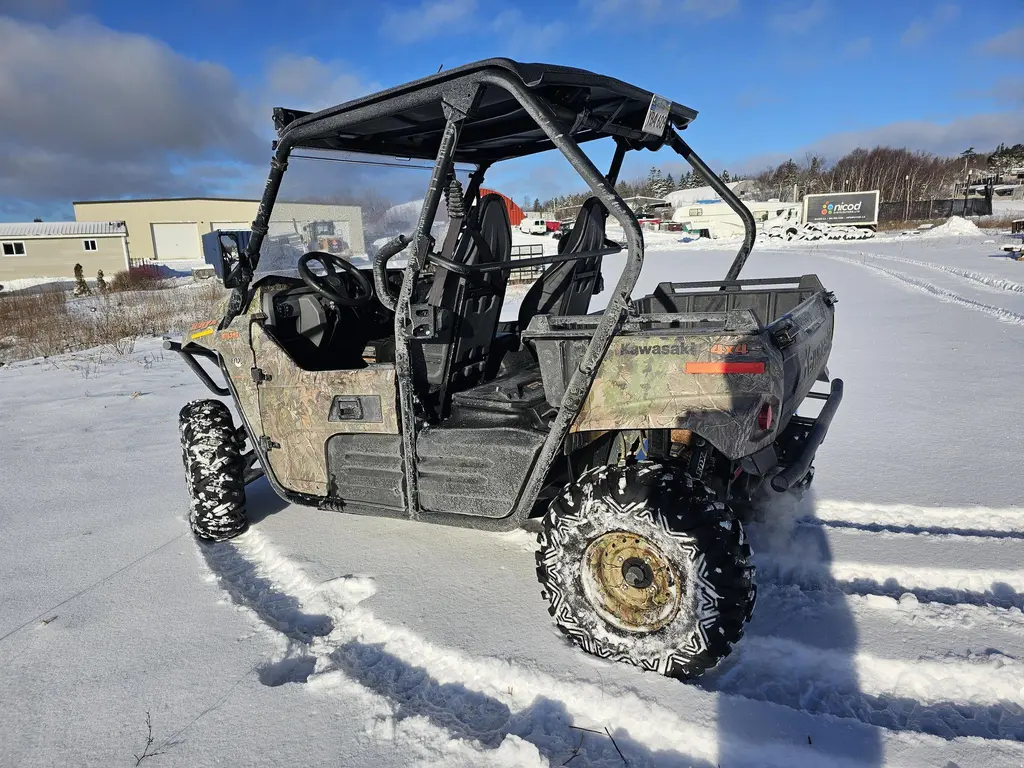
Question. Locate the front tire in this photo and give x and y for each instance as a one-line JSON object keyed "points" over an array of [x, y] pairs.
{"points": [[640, 564], [214, 470]]}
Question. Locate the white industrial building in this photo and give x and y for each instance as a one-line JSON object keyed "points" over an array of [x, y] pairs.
{"points": [[170, 229]]}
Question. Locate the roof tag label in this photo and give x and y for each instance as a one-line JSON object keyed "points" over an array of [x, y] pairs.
{"points": [[657, 115]]}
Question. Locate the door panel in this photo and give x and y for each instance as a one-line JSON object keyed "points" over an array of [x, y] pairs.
{"points": [[301, 410]]}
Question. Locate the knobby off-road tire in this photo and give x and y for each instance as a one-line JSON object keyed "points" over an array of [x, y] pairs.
{"points": [[214, 470], [681, 613]]}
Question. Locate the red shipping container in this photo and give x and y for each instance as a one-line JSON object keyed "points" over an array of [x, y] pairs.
{"points": [[515, 213]]}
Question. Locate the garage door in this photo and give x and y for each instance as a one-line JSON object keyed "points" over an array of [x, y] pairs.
{"points": [[230, 225], [176, 241]]}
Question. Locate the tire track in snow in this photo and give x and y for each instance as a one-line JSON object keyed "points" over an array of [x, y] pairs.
{"points": [[523, 707], [281, 595], [830, 618], [1000, 313], [986, 281], [952, 586], [979, 697], [912, 518]]}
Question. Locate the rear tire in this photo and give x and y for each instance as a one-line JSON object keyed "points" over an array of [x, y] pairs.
{"points": [[686, 588], [214, 470]]}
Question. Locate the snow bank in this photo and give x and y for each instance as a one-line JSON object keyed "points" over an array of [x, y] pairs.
{"points": [[954, 227], [31, 282]]}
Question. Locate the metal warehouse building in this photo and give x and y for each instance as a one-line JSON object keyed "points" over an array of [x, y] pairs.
{"points": [[170, 229], [51, 249]]}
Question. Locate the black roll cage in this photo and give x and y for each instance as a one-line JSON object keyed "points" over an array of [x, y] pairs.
{"points": [[459, 96]]}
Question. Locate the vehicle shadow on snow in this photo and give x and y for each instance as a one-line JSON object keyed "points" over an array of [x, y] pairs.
{"points": [[799, 649], [261, 501], [474, 716], [753, 671], [462, 712]]}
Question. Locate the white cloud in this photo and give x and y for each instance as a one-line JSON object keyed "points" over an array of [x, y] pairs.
{"points": [[1009, 90], [525, 38], [302, 82], [428, 19], [915, 33], [84, 88], [923, 27], [694, 10], [37, 9], [708, 9], [947, 139], [855, 49], [1009, 43], [92, 112], [802, 19]]}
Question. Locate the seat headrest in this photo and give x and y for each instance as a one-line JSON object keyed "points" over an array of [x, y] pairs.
{"points": [[587, 232], [495, 228]]}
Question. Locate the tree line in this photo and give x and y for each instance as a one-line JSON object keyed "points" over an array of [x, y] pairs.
{"points": [[656, 184], [896, 173]]}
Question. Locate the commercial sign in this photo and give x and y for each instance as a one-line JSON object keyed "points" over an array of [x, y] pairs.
{"points": [[842, 208]]}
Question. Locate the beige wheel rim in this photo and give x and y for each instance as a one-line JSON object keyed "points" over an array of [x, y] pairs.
{"points": [[630, 582]]}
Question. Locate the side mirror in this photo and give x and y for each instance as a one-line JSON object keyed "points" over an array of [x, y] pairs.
{"points": [[230, 254], [223, 251]]}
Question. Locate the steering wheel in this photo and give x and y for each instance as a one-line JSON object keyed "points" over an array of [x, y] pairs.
{"points": [[330, 286]]}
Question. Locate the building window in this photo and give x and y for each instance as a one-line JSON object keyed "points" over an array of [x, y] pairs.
{"points": [[90, 245], [696, 211], [14, 249]]}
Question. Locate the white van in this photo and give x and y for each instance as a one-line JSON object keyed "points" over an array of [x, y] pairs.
{"points": [[533, 226]]}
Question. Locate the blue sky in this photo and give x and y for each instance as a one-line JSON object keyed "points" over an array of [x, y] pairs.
{"points": [[107, 98]]}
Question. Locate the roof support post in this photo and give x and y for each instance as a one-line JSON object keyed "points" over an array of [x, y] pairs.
{"points": [[613, 170], [618, 305], [248, 260], [404, 326], [675, 141]]}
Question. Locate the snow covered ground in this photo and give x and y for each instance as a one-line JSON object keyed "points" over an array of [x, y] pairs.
{"points": [[889, 627]]}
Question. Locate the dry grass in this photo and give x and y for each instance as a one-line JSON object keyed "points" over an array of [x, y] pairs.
{"points": [[896, 226], [50, 321], [996, 222], [135, 280], [984, 222]]}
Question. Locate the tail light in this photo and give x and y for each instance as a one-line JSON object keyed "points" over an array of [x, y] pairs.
{"points": [[765, 417]]}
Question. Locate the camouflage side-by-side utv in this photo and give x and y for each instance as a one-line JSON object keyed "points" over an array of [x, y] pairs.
{"points": [[630, 433]]}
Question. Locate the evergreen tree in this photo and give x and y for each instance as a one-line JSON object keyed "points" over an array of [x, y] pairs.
{"points": [[536, 204], [726, 177], [81, 287], [653, 182], [101, 283]]}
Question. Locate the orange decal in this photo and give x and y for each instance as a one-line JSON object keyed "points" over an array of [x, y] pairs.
{"points": [[725, 367], [227, 335]]}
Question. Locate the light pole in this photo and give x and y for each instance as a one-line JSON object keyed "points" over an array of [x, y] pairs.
{"points": [[906, 215]]}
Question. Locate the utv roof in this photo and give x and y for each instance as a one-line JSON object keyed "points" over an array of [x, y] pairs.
{"points": [[408, 120]]}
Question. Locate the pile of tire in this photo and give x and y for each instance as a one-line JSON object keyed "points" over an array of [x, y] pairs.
{"points": [[817, 231]]}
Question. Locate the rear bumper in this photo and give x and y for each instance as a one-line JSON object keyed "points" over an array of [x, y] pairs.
{"points": [[795, 472]]}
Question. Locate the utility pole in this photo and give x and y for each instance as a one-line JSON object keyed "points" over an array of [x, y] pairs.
{"points": [[906, 215]]}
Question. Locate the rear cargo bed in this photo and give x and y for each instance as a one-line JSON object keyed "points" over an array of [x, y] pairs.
{"points": [[769, 299]]}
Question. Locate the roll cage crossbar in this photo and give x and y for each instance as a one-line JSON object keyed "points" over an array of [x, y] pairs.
{"points": [[459, 97]]}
